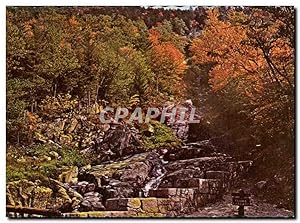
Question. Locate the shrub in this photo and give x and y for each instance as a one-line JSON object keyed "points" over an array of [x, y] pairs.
{"points": [[157, 135]]}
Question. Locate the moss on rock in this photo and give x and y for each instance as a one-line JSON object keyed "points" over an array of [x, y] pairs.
{"points": [[157, 135]]}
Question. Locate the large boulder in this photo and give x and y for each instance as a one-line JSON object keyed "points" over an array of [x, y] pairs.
{"points": [[28, 194], [118, 141], [124, 178], [179, 125]]}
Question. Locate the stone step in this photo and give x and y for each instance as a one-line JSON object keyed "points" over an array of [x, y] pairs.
{"points": [[113, 214], [199, 166], [224, 176], [150, 205], [234, 167], [204, 186], [201, 200], [217, 174], [173, 192]]}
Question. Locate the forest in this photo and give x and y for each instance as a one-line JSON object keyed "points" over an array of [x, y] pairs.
{"points": [[235, 65]]}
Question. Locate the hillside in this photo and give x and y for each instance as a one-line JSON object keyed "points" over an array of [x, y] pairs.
{"points": [[87, 90]]}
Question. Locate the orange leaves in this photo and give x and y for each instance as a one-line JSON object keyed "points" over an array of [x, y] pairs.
{"points": [[31, 120], [248, 53], [167, 53], [168, 63], [218, 40], [28, 29], [73, 21], [64, 44], [154, 36], [222, 43]]}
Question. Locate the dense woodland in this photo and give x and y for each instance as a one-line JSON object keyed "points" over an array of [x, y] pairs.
{"points": [[235, 63]]}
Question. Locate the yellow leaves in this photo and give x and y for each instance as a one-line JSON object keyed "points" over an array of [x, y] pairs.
{"points": [[96, 108], [126, 50]]}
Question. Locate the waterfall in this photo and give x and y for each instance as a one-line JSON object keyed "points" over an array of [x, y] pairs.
{"points": [[155, 181]]}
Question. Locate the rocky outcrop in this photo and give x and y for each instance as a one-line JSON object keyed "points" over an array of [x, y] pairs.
{"points": [[179, 125], [124, 178], [28, 194], [118, 141]]}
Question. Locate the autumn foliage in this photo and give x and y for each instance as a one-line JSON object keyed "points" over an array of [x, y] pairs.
{"points": [[250, 57], [234, 49], [168, 62]]}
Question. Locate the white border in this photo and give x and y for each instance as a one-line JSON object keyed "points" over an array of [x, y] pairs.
{"points": [[5, 3]]}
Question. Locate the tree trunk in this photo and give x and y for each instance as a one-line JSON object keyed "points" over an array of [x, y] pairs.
{"points": [[97, 93], [89, 98], [18, 138], [55, 89]]}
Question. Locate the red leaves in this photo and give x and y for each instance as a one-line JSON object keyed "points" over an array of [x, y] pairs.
{"points": [[154, 36]]}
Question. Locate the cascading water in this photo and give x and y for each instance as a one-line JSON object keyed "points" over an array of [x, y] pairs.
{"points": [[155, 181]]}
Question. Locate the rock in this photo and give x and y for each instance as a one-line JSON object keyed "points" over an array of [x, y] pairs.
{"points": [[75, 203], [91, 199], [53, 155], [173, 192], [63, 194], [91, 203], [134, 203], [261, 184], [82, 183], [91, 194], [83, 169], [67, 199], [137, 172], [174, 178], [86, 204], [41, 196], [150, 205], [25, 193], [18, 193], [90, 187], [118, 141], [73, 193], [123, 178], [69, 176], [121, 192], [98, 206], [73, 125], [123, 204], [221, 175], [116, 183], [46, 158], [82, 188]]}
